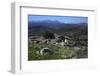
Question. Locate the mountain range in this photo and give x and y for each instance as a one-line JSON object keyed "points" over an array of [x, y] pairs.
{"points": [[36, 27]]}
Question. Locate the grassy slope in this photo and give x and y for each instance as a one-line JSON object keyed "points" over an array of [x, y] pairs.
{"points": [[59, 52]]}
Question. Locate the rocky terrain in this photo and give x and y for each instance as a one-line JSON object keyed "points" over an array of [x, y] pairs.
{"points": [[49, 40]]}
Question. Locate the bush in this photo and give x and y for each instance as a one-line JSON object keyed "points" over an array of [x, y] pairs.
{"points": [[48, 35]]}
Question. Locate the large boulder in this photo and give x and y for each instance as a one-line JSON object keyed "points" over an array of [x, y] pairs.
{"points": [[46, 51]]}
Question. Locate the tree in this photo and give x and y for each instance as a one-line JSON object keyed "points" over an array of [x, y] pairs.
{"points": [[48, 35]]}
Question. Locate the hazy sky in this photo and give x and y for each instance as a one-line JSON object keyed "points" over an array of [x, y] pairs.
{"points": [[65, 19]]}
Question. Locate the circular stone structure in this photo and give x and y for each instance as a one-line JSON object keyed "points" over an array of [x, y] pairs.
{"points": [[46, 51]]}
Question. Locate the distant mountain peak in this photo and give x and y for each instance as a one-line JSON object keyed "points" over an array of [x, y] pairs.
{"points": [[46, 21]]}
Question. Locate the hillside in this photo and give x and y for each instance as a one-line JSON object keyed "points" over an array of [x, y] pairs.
{"points": [[37, 28]]}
